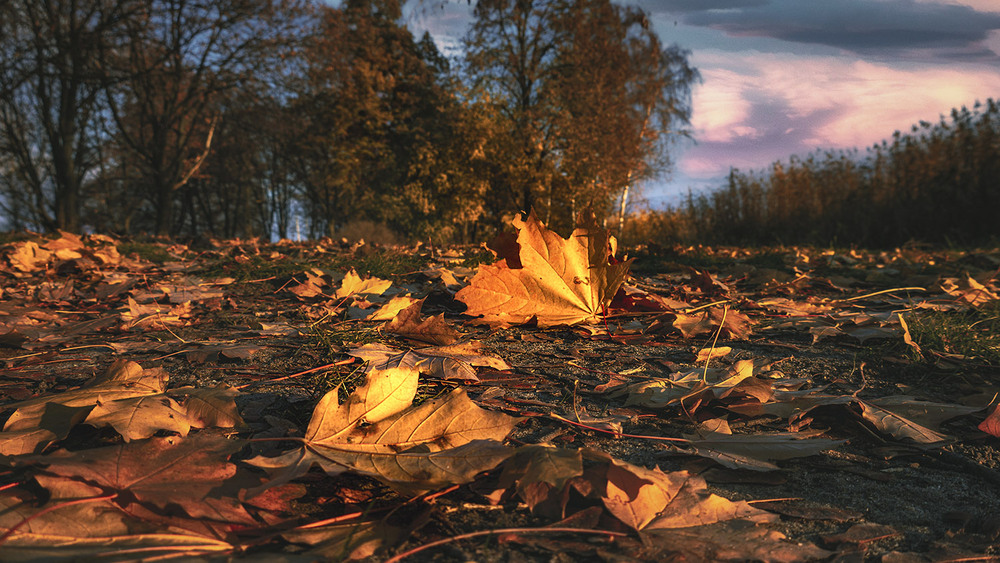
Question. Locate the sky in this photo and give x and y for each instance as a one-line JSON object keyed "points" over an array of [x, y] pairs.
{"points": [[788, 77]]}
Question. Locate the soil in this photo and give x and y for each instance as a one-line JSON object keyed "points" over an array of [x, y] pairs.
{"points": [[872, 498]]}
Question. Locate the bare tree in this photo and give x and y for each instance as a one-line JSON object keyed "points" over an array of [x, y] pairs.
{"points": [[51, 54], [178, 60]]}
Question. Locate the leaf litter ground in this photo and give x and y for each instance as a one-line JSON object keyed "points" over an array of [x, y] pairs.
{"points": [[329, 401]]}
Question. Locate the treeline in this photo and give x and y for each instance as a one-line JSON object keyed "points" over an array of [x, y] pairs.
{"points": [[938, 183], [268, 118]]}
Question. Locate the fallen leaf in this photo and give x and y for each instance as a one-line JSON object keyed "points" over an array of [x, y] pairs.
{"points": [[897, 426], [86, 531], [154, 316], [968, 290], [554, 281], [924, 413], [538, 474], [639, 497], [391, 308], [991, 424], [636, 495], [355, 540], [707, 354], [411, 448], [682, 386], [212, 353], [347, 542], [441, 362], [860, 534], [809, 512], [733, 540], [434, 330], [38, 422], [28, 256], [209, 407], [137, 418], [153, 470], [733, 324], [756, 451], [354, 285], [907, 338]]}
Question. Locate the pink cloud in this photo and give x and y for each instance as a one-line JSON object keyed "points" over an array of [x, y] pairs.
{"points": [[754, 108]]}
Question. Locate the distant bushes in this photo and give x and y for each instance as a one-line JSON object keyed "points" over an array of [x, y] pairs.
{"points": [[939, 183]]}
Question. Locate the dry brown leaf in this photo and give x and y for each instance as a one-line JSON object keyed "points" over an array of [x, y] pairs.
{"points": [[212, 353], [734, 325], [312, 287], [154, 316], [154, 470], [28, 256], [924, 413], [636, 495], [212, 407], [897, 426], [639, 497], [969, 290], [377, 432], [539, 474], [127, 398], [434, 330], [138, 418], [860, 534], [907, 338], [794, 308], [733, 540], [354, 540], [38, 422], [708, 354], [441, 362], [681, 386], [554, 281], [85, 532], [756, 451]]}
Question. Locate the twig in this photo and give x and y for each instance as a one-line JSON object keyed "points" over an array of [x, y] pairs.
{"points": [[705, 306], [773, 500], [704, 374], [189, 551], [867, 295], [444, 541], [9, 486], [618, 434], [306, 372]]}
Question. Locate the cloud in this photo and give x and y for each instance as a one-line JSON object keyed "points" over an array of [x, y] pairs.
{"points": [[862, 26], [760, 108], [686, 6]]}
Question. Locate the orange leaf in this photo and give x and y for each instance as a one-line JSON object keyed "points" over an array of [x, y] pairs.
{"points": [[992, 423], [559, 281]]}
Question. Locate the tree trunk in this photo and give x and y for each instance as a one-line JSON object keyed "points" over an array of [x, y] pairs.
{"points": [[622, 204], [164, 209]]}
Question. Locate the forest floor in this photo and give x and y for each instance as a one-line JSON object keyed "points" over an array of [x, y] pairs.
{"points": [[790, 404]]}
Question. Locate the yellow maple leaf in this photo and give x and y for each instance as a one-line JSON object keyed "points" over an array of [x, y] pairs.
{"points": [[553, 280]]}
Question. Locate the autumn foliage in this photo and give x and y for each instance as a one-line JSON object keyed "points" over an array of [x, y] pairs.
{"points": [[145, 457], [301, 119]]}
